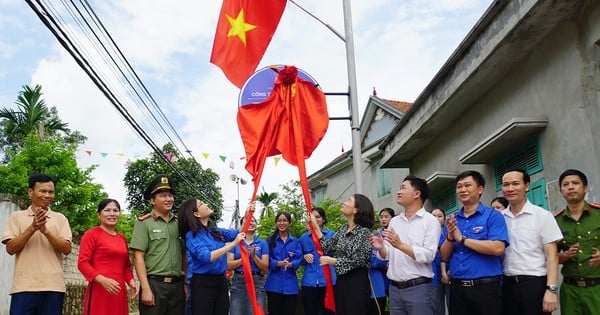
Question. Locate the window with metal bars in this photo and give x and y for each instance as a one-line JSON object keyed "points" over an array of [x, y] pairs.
{"points": [[527, 157], [447, 201]]}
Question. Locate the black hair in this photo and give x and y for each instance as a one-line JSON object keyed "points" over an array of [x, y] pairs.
{"points": [[105, 203], [189, 222], [321, 212], [501, 200], [39, 178], [273, 236], [477, 177], [420, 185], [573, 172], [390, 211], [526, 177], [442, 211], [365, 216], [243, 219]]}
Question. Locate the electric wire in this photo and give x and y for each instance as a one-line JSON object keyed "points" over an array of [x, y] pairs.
{"points": [[51, 23]]}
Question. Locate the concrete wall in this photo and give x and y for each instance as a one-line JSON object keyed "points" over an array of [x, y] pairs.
{"points": [[7, 262], [558, 81], [340, 186], [9, 204]]}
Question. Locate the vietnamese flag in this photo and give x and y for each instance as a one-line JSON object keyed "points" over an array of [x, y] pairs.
{"points": [[244, 30]]}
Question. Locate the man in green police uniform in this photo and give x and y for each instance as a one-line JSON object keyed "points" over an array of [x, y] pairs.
{"points": [[579, 249], [157, 251]]}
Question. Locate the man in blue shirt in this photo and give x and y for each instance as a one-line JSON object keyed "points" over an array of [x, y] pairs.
{"points": [[476, 237]]}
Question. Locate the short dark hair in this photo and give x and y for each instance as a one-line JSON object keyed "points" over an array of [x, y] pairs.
{"points": [[243, 219], [390, 211], [442, 211], [365, 216], [526, 177], [420, 185], [105, 203], [475, 174], [573, 172], [501, 200], [40, 178], [321, 212]]}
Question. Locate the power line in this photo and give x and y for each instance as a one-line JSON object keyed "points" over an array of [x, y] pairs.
{"points": [[102, 82]]}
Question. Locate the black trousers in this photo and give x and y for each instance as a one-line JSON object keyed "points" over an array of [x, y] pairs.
{"points": [[313, 300], [483, 299], [378, 305], [352, 293], [209, 295], [525, 297], [281, 304]]}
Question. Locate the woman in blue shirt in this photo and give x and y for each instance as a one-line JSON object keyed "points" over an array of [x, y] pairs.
{"points": [[285, 254], [313, 280], [378, 270], [207, 249], [258, 251]]}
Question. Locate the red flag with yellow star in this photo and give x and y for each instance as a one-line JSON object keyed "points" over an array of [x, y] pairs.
{"points": [[244, 31]]}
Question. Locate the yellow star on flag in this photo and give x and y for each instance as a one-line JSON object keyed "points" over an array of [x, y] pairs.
{"points": [[239, 27]]}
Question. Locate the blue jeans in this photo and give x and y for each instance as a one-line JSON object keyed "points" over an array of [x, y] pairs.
{"points": [[240, 304], [441, 295]]}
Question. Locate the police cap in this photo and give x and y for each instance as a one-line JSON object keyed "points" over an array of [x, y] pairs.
{"points": [[160, 182]]}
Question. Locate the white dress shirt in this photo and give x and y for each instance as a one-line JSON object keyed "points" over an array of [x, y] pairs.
{"points": [[422, 232], [528, 232]]}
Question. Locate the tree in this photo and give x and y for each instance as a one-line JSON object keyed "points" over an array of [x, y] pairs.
{"points": [[203, 183], [32, 116], [292, 201], [76, 197], [265, 199]]}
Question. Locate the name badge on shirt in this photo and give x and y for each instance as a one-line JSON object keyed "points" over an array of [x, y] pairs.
{"points": [[157, 231]]}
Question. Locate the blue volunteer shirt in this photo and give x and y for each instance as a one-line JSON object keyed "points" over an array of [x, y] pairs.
{"points": [[377, 273], [262, 248], [282, 280], [199, 247], [484, 224], [313, 273]]}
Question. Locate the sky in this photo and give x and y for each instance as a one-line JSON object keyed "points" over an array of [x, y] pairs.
{"points": [[399, 46]]}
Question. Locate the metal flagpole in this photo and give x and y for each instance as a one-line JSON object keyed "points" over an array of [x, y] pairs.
{"points": [[352, 96], [353, 99]]}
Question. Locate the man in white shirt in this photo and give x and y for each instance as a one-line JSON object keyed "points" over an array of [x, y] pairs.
{"points": [[531, 262], [410, 243]]}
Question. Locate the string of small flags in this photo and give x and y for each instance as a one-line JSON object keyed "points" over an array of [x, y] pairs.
{"points": [[223, 158]]}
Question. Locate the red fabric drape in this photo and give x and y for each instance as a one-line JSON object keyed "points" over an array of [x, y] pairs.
{"points": [[291, 122]]}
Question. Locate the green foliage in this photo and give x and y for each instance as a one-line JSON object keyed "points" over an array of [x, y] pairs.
{"points": [[265, 199], [292, 201], [125, 225], [204, 181], [32, 116], [76, 195], [335, 218]]}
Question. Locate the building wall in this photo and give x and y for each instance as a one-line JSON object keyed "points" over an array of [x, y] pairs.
{"points": [[340, 186], [558, 81]]}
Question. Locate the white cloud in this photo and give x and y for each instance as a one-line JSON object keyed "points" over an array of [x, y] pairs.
{"points": [[399, 46]]}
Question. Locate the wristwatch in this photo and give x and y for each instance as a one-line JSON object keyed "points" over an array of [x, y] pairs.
{"points": [[552, 288]]}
